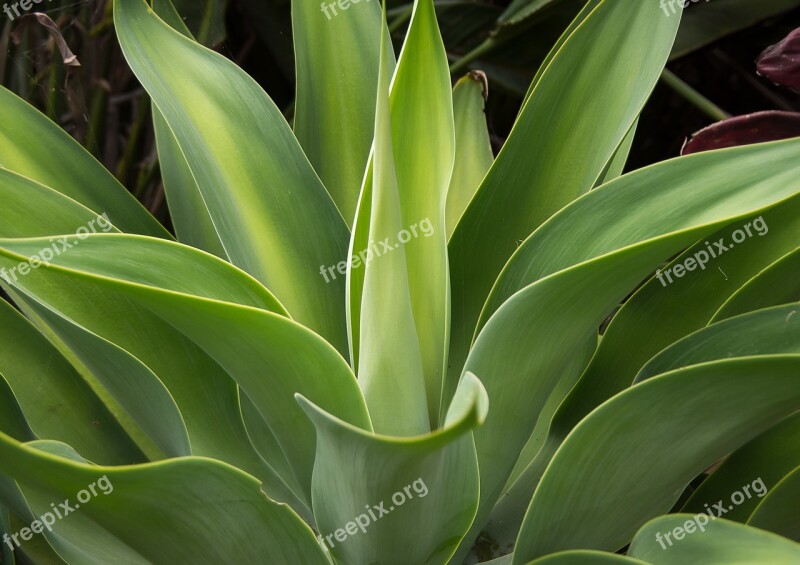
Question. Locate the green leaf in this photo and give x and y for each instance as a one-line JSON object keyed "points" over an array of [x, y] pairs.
{"points": [[55, 400], [576, 269], [36, 148], [633, 337], [6, 555], [473, 148], [336, 55], [206, 18], [227, 314], [534, 175], [778, 511], [767, 458], [205, 395], [765, 332], [12, 420], [776, 284], [357, 472], [423, 149], [186, 510], [640, 449], [132, 384], [188, 212], [584, 557], [249, 168], [719, 543], [390, 369]]}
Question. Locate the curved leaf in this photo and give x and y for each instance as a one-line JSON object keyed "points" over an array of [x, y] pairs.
{"points": [[180, 511], [357, 472], [221, 309], [36, 148], [585, 260], [640, 449], [765, 332], [533, 177], [249, 168], [776, 284], [720, 543], [778, 511], [768, 458], [56, 401]]}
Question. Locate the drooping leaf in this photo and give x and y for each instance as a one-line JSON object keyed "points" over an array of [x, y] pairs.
{"points": [[235, 321], [179, 511], [771, 125], [781, 62]]}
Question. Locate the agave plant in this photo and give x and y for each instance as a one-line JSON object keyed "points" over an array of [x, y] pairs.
{"points": [[375, 342]]}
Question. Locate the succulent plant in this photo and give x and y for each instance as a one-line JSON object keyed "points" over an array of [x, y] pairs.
{"points": [[374, 342]]}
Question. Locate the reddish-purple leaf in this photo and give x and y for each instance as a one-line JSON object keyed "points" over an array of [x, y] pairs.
{"points": [[781, 62], [745, 130]]}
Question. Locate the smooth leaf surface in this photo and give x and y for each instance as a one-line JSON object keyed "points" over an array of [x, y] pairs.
{"points": [[206, 396], [222, 311], [604, 244], [768, 457], [249, 168], [722, 543], [533, 177], [390, 369], [357, 471], [131, 383], [336, 59], [778, 511], [776, 284], [473, 148], [765, 332], [180, 511], [640, 449], [34, 147], [423, 145], [56, 401]]}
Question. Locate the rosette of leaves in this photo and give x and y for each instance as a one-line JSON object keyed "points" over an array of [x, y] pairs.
{"points": [[301, 354]]}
